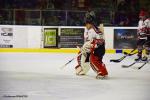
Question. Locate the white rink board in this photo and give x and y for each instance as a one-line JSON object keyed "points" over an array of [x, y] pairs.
{"points": [[31, 36]]}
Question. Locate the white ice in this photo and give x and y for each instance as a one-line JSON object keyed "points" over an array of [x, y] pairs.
{"points": [[37, 76]]}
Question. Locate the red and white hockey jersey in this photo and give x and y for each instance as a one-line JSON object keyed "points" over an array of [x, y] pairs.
{"points": [[144, 28], [93, 34]]}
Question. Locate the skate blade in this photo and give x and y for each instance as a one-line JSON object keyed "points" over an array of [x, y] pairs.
{"points": [[102, 77]]}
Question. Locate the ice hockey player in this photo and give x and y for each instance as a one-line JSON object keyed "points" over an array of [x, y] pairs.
{"points": [[92, 51], [143, 34]]}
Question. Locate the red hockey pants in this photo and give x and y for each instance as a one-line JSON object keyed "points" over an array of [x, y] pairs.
{"points": [[97, 65]]}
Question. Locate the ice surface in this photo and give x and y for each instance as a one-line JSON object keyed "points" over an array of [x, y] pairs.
{"points": [[37, 76]]}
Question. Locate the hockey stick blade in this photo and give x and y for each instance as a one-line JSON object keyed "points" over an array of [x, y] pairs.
{"points": [[118, 60], [127, 66], [115, 60]]}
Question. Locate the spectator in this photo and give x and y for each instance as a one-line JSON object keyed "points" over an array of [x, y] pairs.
{"points": [[42, 4], [50, 4], [133, 18], [121, 19], [123, 6]]}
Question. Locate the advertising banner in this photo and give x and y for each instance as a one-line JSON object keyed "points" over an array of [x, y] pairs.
{"points": [[6, 37], [125, 38], [50, 37], [71, 37]]}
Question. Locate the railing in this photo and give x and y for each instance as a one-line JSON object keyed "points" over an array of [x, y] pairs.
{"points": [[66, 17], [50, 17]]}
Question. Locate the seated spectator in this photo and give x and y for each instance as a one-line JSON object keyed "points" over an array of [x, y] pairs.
{"points": [[121, 19], [133, 17]]}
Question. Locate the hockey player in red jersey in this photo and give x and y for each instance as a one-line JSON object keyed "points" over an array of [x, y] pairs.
{"points": [[93, 51], [143, 34]]}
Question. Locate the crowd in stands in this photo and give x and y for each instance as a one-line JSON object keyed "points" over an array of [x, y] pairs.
{"points": [[127, 13], [69, 12]]}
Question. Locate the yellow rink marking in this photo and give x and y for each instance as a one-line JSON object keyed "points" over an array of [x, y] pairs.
{"points": [[55, 50]]}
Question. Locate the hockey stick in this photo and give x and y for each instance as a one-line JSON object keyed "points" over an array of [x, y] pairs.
{"points": [[70, 61], [145, 62], [126, 54], [120, 59], [142, 65], [127, 66]]}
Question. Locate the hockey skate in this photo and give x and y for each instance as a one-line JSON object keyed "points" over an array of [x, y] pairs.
{"points": [[101, 76], [79, 70]]}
